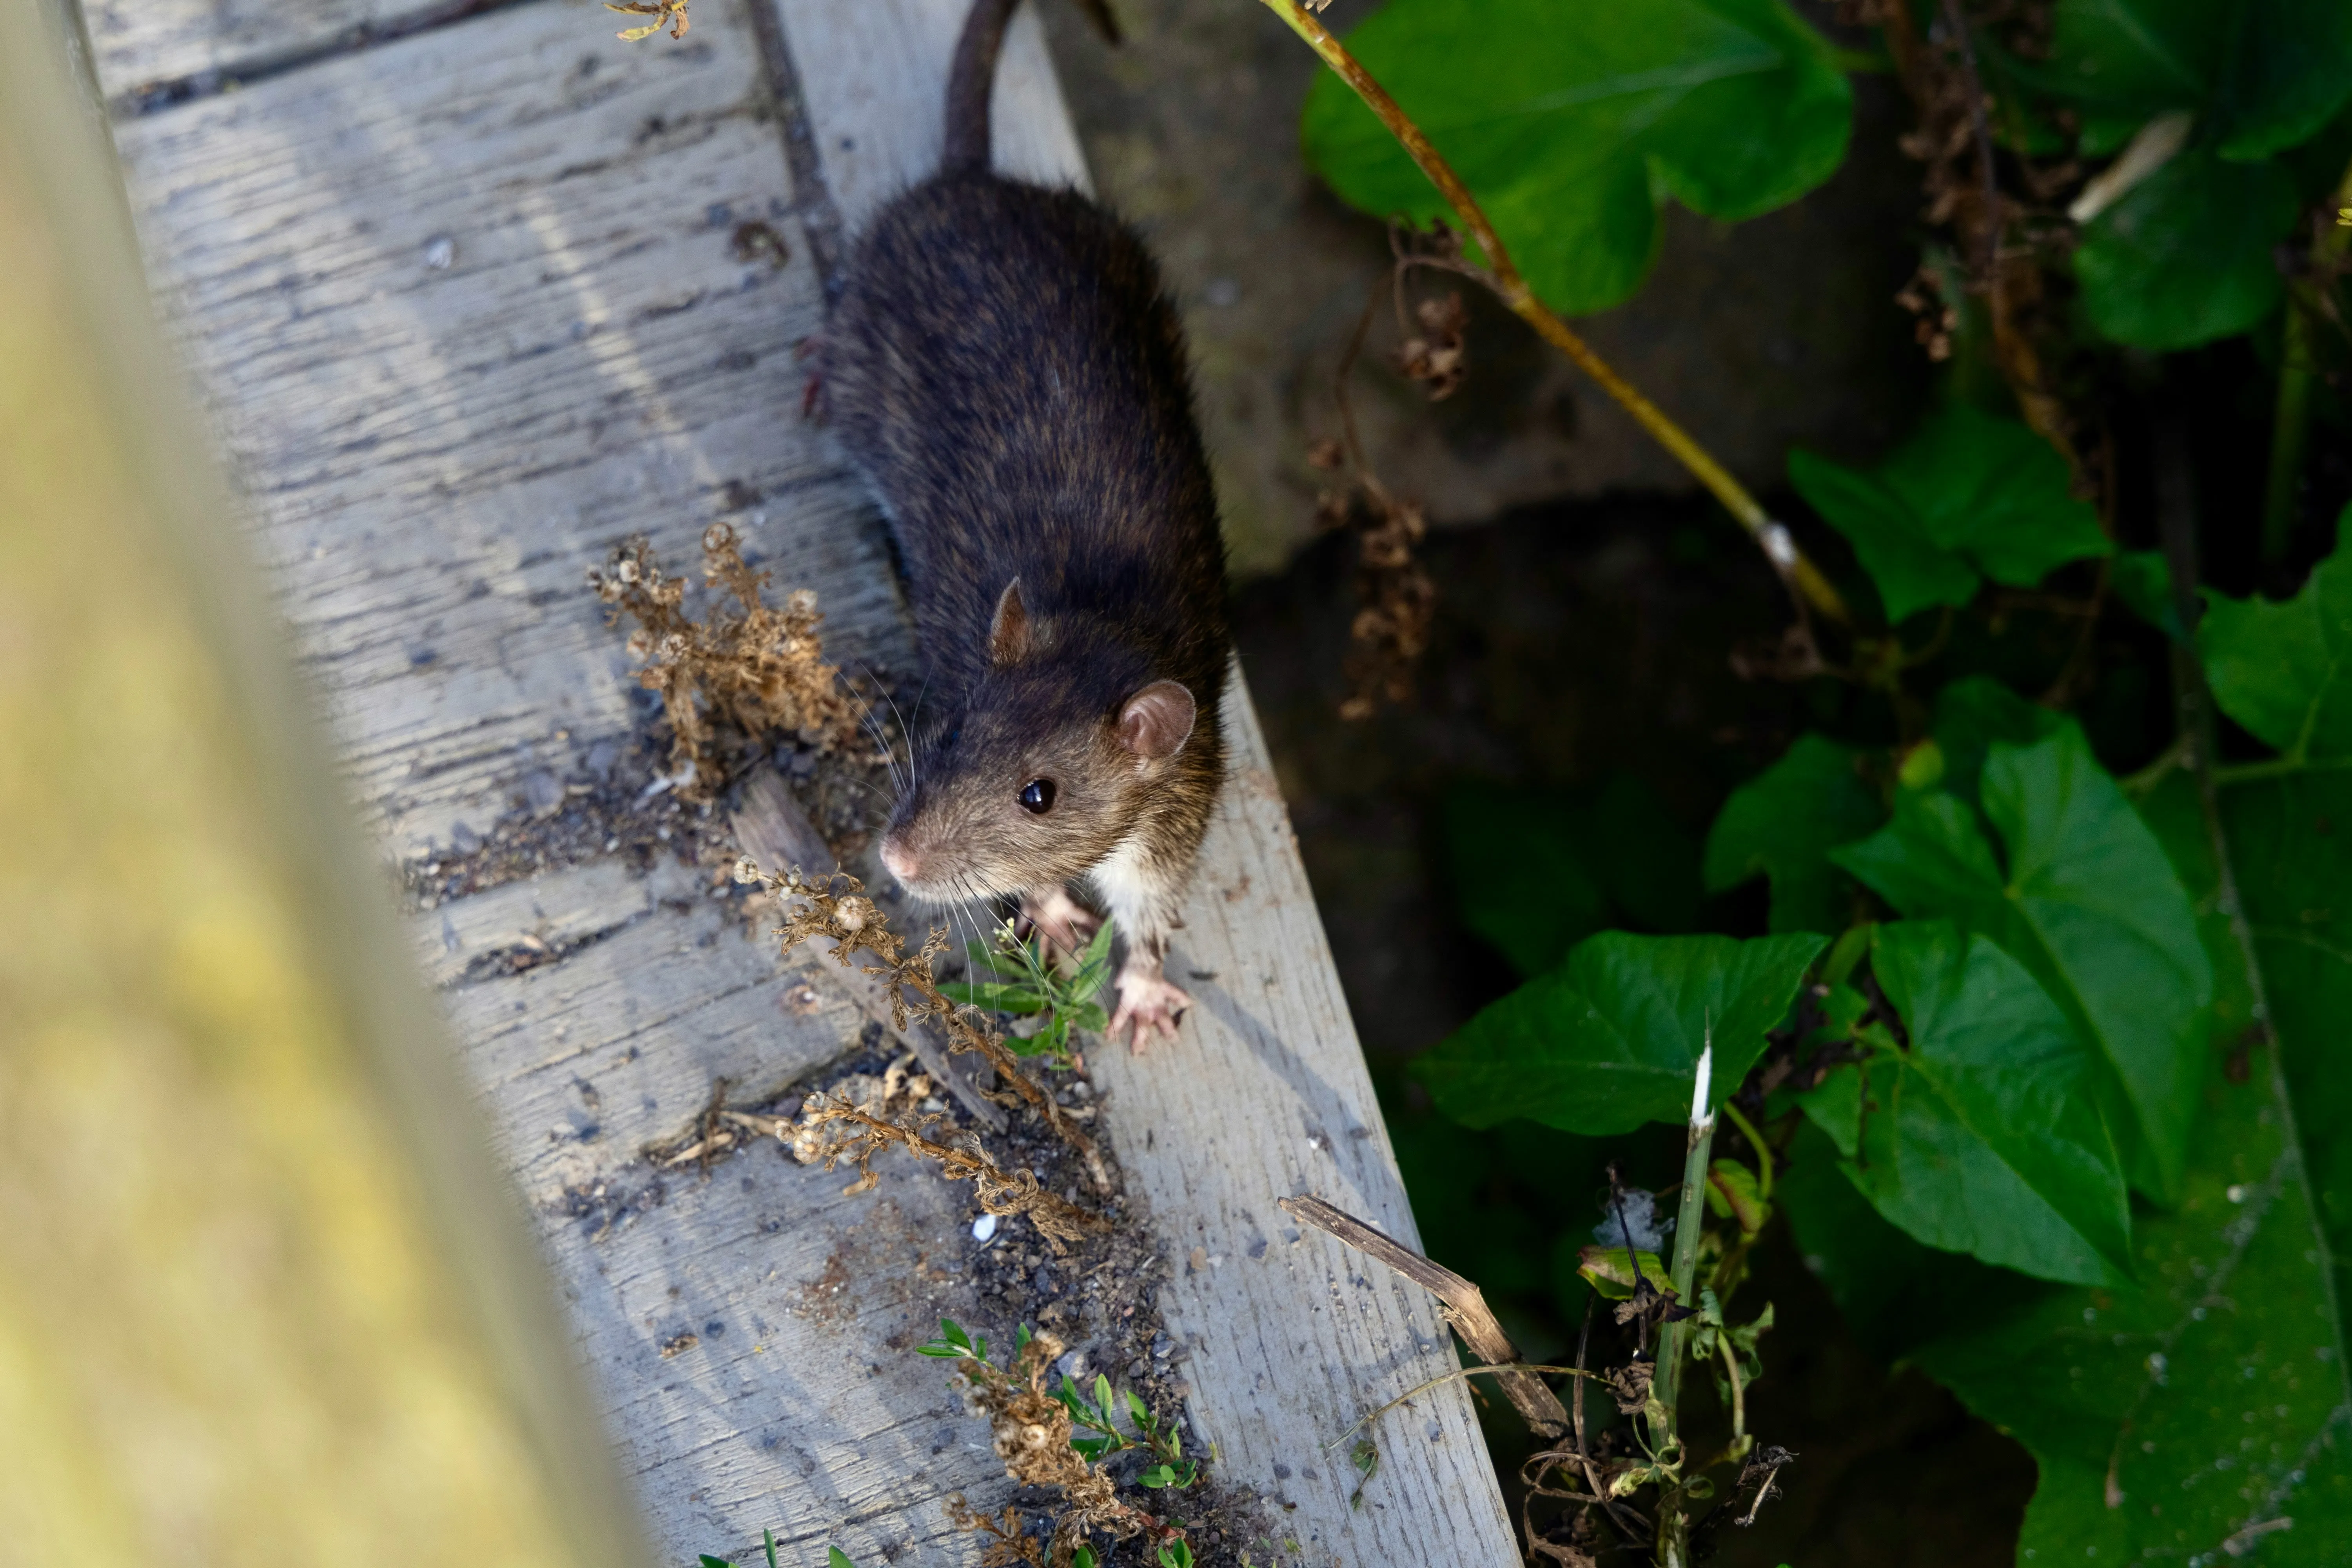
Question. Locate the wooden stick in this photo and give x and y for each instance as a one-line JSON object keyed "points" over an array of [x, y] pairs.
{"points": [[1466, 1308]]}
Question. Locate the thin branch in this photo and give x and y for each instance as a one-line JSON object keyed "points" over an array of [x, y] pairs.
{"points": [[1465, 1308], [1502, 275], [1456, 1375]]}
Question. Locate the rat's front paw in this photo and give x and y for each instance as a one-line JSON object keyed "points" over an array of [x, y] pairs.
{"points": [[1066, 924], [1146, 1004]]}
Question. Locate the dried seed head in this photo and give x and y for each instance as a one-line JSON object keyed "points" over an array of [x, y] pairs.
{"points": [[747, 870]]}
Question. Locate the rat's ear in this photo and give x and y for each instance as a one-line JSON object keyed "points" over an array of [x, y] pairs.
{"points": [[1158, 720], [1008, 632]]}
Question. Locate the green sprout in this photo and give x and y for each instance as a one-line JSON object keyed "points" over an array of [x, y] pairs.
{"points": [[1027, 982]]}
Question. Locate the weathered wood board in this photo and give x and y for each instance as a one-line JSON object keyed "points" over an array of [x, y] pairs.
{"points": [[468, 306]]}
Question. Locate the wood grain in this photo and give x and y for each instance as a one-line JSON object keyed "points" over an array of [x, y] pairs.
{"points": [[467, 309]]}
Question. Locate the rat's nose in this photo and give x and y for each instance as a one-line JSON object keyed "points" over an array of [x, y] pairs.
{"points": [[899, 859]]}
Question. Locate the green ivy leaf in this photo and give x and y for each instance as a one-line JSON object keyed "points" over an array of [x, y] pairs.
{"points": [[2284, 670], [1984, 1137], [2180, 1419], [1611, 1038], [1966, 495], [2088, 903], [1783, 822], [2185, 257], [1572, 123]]}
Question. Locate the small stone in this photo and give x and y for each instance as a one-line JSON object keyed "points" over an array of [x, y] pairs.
{"points": [[983, 1229], [440, 253]]}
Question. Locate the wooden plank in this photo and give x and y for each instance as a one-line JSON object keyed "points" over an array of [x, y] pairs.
{"points": [[467, 308]]}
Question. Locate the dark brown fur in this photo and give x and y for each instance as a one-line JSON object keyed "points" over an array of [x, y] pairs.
{"points": [[1006, 368]]}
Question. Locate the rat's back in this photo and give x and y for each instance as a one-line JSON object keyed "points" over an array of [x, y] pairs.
{"points": [[1006, 366]]}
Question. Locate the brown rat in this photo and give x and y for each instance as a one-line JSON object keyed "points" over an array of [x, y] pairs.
{"points": [[1007, 369]]}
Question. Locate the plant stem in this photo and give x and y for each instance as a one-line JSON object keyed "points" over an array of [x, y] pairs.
{"points": [[1502, 276], [1673, 1525], [1763, 1151], [2291, 424]]}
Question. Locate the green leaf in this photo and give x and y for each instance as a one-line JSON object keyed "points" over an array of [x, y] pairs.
{"points": [[1572, 123], [1783, 822], [1520, 873], [2284, 670], [1893, 1292], [2185, 257], [1984, 1137], [768, 1544], [1966, 494], [2180, 1419], [1973, 712], [996, 995], [2289, 847], [1614, 1270], [711, 1561], [1611, 1038], [2143, 582], [2289, 71], [2144, 55], [2091, 906], [834, 1557], [1910, 572]]}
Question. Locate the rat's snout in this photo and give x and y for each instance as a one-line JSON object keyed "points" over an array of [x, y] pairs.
{"points": [[901, 860]]}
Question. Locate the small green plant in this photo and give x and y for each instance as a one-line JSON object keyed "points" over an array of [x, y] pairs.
{"points": [[1028, 983], [1164, 1442], [834, 1557]]}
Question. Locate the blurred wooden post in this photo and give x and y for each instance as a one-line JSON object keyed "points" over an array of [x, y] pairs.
{"points": [[264, 1297]]}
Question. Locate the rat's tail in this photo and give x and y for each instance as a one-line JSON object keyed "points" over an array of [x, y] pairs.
{"points": [[969, 80], [973, 74]]}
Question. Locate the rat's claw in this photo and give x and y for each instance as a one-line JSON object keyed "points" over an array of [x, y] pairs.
{"points": [[1146, 1004]]}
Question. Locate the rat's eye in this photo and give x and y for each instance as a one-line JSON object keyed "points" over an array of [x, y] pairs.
{"points": [[1037, 796]]}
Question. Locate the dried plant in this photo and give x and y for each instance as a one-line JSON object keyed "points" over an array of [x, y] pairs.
{"points": [[835, 907], [746, 672], [962, 1157], [1008, 1543], [1397, 597], [1033, 1432], [671, 13]]}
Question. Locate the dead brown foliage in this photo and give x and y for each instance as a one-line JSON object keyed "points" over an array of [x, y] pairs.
{"points": [[1033, 1434], [671, 13], [742, 674], [835, 907]]}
